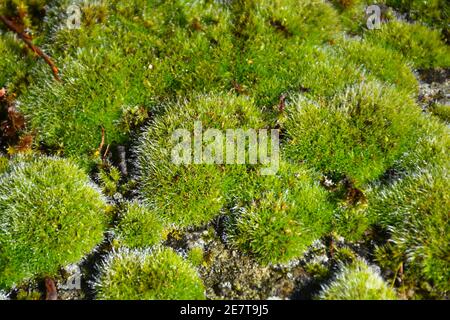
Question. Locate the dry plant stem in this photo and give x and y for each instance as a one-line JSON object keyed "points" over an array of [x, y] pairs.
{"points": [[51, 293], [25, 38], [102, 142]]}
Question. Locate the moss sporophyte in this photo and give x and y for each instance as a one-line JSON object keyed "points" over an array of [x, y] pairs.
{"points": [[207, 147]]}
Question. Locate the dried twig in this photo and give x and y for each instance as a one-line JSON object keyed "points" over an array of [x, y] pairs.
{"points": [[105, 154], [26, 38], [102, 142]]}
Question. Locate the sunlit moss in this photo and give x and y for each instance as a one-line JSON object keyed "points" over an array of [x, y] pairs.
{"points": [[357, 281], [415, 210], [359, 134], [51, 215], [141, 275], [417, 43], [285, 214], [138, 227], [189, 194]]}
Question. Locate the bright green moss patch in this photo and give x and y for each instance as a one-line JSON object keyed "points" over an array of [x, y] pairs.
{"points": [[361, 162], [141, 275], [125, 59], [417, 43], [189, 194], [415, 210], [431, 148], [434, 13], [358, 281], [384, 64], [351, 222], [139, 227], [50, 215], [360, 133], [287, 213], [273, 67], [311, 19]]}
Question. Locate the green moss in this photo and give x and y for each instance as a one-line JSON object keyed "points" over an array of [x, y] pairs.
{"points": [[344, 106], [51, 215], [109, 180], [189, 194], [29, 11], [277, 49], [431, 148], [357, 281], [441, 111], [272, 68], [383, 64], [138, 227], [352, 14], [127, 59], [311, 19], [24, 294], [195, 256], [351, 222], [360, 133], [140, 275], [435, 13], [287, 213], [13, 64], [415, 210], [317, 270], [4, 163], [417, 43]]}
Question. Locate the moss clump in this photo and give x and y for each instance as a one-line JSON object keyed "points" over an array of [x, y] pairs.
{"points": [[431, 148], [13, 63], [357, 281], [434, 13], [129, 58], [139, 226], [415, 210], [441, 111], [287, 212], [189, 194], [417, 43], [385, 65], [359, 134], [141, 275], [195, 256], [351, 222], [312, 19], [279, 48], [51, 215], [274, 67]]}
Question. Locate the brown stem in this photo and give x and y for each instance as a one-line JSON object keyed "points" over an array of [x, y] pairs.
{"points": [[102, 142], [25, 38], [51, 293]]}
